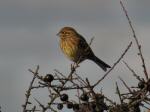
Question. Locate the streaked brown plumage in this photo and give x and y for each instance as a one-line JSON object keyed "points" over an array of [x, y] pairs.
{"points": [[75, 47]]}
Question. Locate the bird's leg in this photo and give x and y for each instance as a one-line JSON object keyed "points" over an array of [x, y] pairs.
{"points": [[73, 67]]}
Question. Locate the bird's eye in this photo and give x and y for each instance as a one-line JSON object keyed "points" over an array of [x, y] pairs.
{"points": [[64, 32]]}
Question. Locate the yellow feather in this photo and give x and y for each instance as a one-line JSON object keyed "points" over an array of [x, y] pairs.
{"points": [[69, 48]]}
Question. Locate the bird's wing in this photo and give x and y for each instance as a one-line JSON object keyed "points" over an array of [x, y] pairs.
{"points": [[82, 42], [84, 46]]}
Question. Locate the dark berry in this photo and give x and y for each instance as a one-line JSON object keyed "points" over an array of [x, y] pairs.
{"points": [[48, 78], [141, 84], [69, 105], [75, 106], [59, 106], [84, 97], [64, 97]]}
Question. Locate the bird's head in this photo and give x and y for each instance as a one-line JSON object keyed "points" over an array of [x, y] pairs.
{"points": [[67, 32]]}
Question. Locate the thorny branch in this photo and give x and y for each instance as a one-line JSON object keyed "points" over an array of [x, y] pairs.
{"points": [[28, 92], [135, 37], [89, 100], [128, 47]]}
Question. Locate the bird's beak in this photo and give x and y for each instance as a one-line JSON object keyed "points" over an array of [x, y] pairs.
{"points": [[58, 34]]}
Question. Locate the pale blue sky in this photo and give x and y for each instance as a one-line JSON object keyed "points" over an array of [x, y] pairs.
{"points": [[28, 31]]}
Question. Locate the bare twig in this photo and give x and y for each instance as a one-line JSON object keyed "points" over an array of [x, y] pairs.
{"points": [[41, 105], [91, 41], [128, 47], [135, 37], [28, 93], [118, 92], [134, 74], [125, 85]]}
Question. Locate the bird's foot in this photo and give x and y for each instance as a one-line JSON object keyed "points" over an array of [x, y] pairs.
{"points": [[75, 65]]}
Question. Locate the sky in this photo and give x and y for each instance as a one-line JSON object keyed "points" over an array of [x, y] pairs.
{"points": [[28, 38]]}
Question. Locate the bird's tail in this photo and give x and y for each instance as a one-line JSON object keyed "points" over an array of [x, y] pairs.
{"points": [[100, 63]]}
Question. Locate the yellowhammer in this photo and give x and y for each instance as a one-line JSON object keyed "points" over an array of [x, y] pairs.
{"points": [[75, 47]]}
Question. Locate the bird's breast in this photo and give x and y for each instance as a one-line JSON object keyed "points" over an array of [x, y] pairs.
{"points": [[69, 46]]}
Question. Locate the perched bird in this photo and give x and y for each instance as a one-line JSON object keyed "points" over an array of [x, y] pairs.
{"points": [[75, 47]]}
